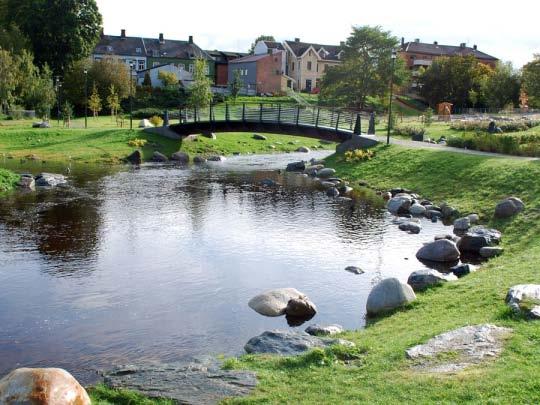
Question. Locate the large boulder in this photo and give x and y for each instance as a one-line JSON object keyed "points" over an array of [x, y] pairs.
{"points": [[159, 157], [217, 158], [325, 173], [478, 237], [509, 207], [42, 386], [417, 209], [389, 294], [199, 160], [50, 180], [488, 252], [303, 149], [145, 124], [180, 157], [442, 250], [448, 211], [455, 350], [274, 302], [300, 308], [296, 167], [259, 137], [525, 298], [356, 142], [26, 182], [461, 270], [135, 158], [462, 224], [399, 204], [320, 330], [423, 279], [289, 343], [411, 227]]}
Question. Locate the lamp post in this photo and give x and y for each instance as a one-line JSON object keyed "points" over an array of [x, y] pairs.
{"points": [[85, 98], [131, 95], [394, 56], [58, 86]]}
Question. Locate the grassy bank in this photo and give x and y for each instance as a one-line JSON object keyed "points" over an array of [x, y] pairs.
{"points": [[8, 179], [106, 144], [381, 373]]}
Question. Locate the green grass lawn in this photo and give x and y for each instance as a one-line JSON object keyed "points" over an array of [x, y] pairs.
{"points": [[103, 142], [381, 373]]}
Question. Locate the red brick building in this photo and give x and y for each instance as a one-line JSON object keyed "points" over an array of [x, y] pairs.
{"points": [[260, 73], [222, 60]]}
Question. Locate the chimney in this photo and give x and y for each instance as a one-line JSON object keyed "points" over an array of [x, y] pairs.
{"points": [[297, 40], [342, 44], [435, 43], [123, 34], [402, 41], [475, 47], [190, 40], [462, 45], [161, 39], [417, 40], [102, 32]]}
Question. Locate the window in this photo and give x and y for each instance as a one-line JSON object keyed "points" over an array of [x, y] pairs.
{"points": [[190, 68], [141, 64], [309, 65], [245, 72], [207, 70], [292, 67], [109, 48], [325, 68], [138, 50]]}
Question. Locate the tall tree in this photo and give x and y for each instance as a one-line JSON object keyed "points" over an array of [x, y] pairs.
{"points": [[260, 38], [236, 85], [531, 81], [113, 100], [8, 80], [455, 80], [12, 39], [94, 101], [61, 31], [502, 87], [366, 69], [42, 96], [200, 93]]}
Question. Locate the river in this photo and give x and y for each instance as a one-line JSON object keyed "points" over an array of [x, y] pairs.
{"points": [[158, 263]]}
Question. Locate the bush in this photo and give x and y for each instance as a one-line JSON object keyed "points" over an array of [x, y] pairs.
{"points": [[146, 113], [138, 143], [359, 155], [409, 130], [506, 126], [156, 121], [507, 144]]}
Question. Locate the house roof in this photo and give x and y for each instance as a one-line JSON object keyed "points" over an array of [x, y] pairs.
{"points": [[274, 45], [118, 45], [249, 58], [299, 48], [444, 50], [111, 44], [225, 56]]}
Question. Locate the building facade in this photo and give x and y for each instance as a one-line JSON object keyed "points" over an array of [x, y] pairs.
{"points": [[260, 74], [222, 60]]}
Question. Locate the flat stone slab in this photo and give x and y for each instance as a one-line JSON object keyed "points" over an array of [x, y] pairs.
{"points": [[289, 343], [201, 382], [463, 347]]}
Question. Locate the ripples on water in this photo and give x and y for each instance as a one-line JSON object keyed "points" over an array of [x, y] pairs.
{"points": [[159, 263]]}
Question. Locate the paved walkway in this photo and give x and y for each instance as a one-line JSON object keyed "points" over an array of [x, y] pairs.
{"points": [[443, 148]]}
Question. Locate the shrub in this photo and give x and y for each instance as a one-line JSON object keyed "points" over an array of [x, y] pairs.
{"points": [[409, 130], [138, 143], [146, 113], [508, 144], [506, 126], [156, 121], [359, 155]]}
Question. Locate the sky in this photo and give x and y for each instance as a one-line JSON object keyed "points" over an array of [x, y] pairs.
{"points": [[508, 30]]}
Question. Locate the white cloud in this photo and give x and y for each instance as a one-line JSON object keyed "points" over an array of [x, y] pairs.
{"points": [[505, 30]]}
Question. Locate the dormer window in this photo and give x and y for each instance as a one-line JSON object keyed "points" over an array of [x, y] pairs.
{"points": [[109, 48], [138, 50]]}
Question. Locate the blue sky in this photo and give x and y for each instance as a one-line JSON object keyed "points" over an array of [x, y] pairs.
{"points": [[505, 29]]}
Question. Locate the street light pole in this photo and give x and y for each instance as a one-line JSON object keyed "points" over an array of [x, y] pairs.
{"points": [[85, 98], [58, 85], [131, 95], [394, 56]]}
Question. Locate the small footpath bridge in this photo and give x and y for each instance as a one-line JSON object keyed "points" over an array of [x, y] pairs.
{"points": [[317, 122]]}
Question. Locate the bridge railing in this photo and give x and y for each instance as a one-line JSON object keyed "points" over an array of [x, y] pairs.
{"points": [[276, 113]]}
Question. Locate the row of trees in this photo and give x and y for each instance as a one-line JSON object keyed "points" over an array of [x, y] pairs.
{"points": [[364, 75]]}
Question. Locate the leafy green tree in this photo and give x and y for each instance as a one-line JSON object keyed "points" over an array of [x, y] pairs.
{"points": [[260, 38], [502, 88], [43, 96], [103, 73], [200, 93], [459, 80], [531, 81], [168, 79], [12, 39], [26, 75], [365, 71], [67, 113], [8, 80], [236, 85], [94, 101], [113, 100], [60, 31], [147, 81]]}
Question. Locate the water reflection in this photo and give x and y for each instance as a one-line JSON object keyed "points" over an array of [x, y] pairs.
{"points": [[159, 263]]}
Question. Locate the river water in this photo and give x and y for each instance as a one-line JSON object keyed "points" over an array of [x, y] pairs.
{"points": [[158, 264]]}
